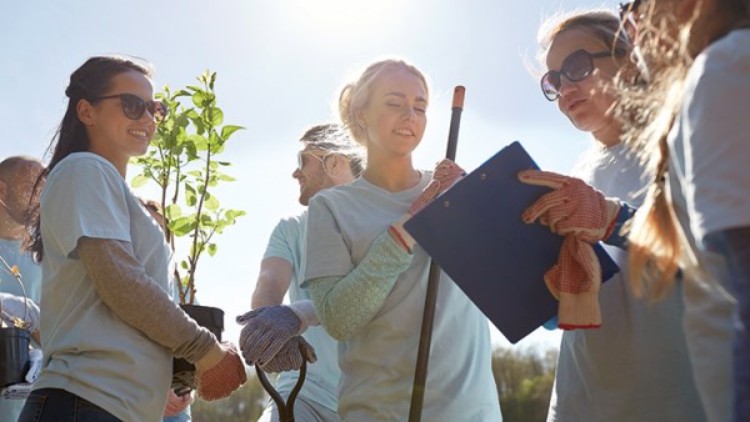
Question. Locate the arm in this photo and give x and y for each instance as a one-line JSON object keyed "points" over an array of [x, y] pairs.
{"points": [[273, 282], [124, 287], [346, 304]]}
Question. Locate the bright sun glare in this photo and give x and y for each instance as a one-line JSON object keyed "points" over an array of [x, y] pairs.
{"points": [[344, 20]]}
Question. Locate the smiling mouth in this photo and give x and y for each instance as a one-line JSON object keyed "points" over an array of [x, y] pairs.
{"points": [[139, 133], [403, 132]]}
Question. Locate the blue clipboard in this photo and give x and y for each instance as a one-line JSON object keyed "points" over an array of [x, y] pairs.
{"points": [[475, 232]]}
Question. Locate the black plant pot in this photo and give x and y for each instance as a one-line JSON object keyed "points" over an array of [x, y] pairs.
{"points": [[206, 316], [14, 355]]}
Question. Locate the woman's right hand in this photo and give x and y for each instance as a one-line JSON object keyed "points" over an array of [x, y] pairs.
{"points": [[219, 372], [573, 207]]}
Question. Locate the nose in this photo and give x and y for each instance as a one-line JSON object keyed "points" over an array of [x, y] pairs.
{"points": [[410, 113], [296, 173], [566, 86]]}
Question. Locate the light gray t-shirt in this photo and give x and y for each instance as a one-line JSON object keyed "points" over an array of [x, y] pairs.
{"points": [[378, 362], [89, 351], [288, 242], [635, 367], [710, 190]]}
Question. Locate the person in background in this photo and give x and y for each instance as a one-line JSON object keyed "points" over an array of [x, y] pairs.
{"points": [[368, 279], [327, 158], [110, 327], [17, 178], [635, 366]]}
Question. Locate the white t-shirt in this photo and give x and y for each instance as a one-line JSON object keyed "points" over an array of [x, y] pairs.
{"points": [[635, 367], [287, 242], [89, 351], [378, 362], [710, 191]]}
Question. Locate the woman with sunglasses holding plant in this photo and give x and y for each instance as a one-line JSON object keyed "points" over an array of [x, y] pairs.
{"points": [[635, 366], [109, 327]]}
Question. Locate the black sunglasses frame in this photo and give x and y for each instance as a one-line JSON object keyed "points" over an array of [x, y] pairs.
{"points": [[133, 106], [556, 83]]}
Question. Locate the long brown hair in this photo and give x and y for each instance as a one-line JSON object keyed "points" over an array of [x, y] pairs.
{"points": [[657, 244], [91, 80]]}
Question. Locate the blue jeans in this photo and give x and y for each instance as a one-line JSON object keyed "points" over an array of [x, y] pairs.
{"points": [[56, 405]]}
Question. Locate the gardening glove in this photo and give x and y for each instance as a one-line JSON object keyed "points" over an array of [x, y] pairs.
{"points": [[176, 404], [291, 355], [15, 308], [219, 372], [21, 390], [574, 281], [445, 175], [573, 207], [268, 328]]}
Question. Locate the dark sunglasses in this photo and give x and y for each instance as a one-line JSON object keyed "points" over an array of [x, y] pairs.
{"points": [[576, 67], [134, 106]]}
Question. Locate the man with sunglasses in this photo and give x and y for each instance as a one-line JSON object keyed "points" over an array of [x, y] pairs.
{"points": [[328, 158]]}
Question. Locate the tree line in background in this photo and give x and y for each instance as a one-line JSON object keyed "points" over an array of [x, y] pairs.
{"points": [[524, 381]]}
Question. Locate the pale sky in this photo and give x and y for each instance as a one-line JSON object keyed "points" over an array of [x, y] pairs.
{"points": [[280, 65]]}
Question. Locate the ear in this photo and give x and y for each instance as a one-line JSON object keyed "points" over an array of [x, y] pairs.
{"points": [[85, 112], [337, 165], [360, 119]]}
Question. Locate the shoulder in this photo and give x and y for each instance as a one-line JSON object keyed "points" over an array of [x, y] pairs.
{"points": [[291, 224], [84, 164], [725, 63]]}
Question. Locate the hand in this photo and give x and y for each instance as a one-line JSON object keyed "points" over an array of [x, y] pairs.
{"points": [[291, 356], [176, 404], [219, 372], [35, 365], [446, 174], [266, 331], [573, 207], [575, 280], [15, 308], [21, 390]]}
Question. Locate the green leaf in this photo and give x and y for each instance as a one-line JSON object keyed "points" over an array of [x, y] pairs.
{"points": [[215, 116], [200, 99], [190, 197], [181, 226], [139, 181], [212, 249], [211, 203], [173, 212], [228, 130]]}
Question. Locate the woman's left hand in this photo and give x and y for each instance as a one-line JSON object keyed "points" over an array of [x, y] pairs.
{"points": [[176, 404]]}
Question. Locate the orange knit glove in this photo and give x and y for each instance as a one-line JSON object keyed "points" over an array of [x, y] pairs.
{"points": [[445, 175], [575, 280], [573, 207], [219, 372]]}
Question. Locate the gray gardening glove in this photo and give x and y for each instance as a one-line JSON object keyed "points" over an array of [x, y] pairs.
{"points": [[12, 307], [291, 355], [267, 329]]}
